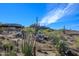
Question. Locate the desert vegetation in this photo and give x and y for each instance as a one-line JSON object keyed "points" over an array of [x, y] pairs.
{"points": [[38, 41]]}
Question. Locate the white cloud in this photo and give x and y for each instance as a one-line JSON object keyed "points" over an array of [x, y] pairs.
{"points": [[55, 14]]}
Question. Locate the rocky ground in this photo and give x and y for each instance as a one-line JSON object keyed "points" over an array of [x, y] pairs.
{"points": [[46, 49], [43, 47]]}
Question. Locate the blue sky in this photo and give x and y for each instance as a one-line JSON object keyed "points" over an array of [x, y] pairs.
{"points": [[25, 14]]}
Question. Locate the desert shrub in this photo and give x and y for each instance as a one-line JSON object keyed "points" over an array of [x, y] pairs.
{"points": [[27, 49], [29, 30], [76, 43], [27, 45], [10, 53], [7, 45], [9, 49], [59, 43], [63, 48], [56, 39]]}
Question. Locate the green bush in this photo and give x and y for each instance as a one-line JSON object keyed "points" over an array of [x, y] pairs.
{"points": [[59, 43], [63, 48], [76, 43], [10, 53], [27, 49], [8, 47]]}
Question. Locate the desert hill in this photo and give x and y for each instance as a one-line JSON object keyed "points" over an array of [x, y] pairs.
{"points": [[38, 40]]}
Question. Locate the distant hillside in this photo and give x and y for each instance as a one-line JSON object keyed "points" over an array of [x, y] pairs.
{"points": [[10, 25], [40, 27]]}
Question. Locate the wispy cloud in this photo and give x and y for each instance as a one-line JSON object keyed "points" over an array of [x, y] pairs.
{"points": [[55, 14]]}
